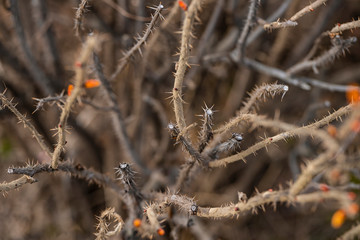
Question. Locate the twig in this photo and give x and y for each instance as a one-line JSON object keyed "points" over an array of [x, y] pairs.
{"points": [[140, 41], [292, 21], [5, 187], [40, 78], [345, 26], [104, 219], [280, 11], [339, 47], [79, 15], [117, 118], [206, 133], [78, 171], [183, 63], [50, 99], [254, 203], [27, 124], [308, 9], [351, 234], [250, 20], [277, 73], [302, 82], [80, 76], [261, 93], [282, 136], [179, 136]]}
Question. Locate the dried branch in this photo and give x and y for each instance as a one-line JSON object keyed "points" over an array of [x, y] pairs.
{"points": [[310, 8], [27, 124], [339, 47], [105, 220], [5, 187], [249, 24], [252, 204], [79, 79], [292, 21], [78, 171], [351, 234], [306, 130], [179, 136], [206, 129], [183, 63], [79, 15], [117, 119], [37, 73], [261, 93], [302, 82], [140, 41], [339, 28]]}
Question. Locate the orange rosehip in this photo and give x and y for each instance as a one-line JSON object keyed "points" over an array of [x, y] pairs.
{"points": [[92, 83], [137, 222], [338, 219], [70, 88], [161, 232], [183, 5]]}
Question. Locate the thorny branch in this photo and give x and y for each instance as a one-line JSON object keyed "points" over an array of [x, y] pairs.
{"points": [[79, 79]]}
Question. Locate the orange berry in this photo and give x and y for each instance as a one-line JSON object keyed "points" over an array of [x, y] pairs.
{"points": [[331, 129], [137, 222], [161, 232], [324, 187], [352, 93], [70, 88], [92, 83], [338, 218], [183, 5]]}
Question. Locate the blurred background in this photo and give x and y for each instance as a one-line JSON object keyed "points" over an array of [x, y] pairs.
{"points": [[38, 49]]}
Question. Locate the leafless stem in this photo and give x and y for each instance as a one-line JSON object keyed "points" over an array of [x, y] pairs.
{"points": [[140, 41], [104, 219], [27, 124], [281, 136], [79, 79], [5, 187], [339, 47], [345, 26], [250, 20], [117, 118], [183, 63]]}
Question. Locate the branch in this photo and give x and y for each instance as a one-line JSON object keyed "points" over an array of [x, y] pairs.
{"points": [[306, 130], [116, 116], [140, 41], [292, 21], [345, 26], [80, 12], [250, 20], [77, 170], [5, 187], [183, 63], [339, 47], [104, 219], [27, 124], [79, 79]]}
